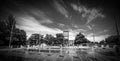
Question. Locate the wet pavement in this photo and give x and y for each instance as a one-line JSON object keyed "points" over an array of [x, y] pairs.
{"points": [[66, 54]]}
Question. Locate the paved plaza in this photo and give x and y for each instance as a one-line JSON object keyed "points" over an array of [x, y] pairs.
{"points": [[66, 54]]}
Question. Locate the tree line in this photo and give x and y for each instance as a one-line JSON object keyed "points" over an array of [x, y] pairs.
{"points": [[37, 39], [111, 40], [59, 39], [10, 35]]}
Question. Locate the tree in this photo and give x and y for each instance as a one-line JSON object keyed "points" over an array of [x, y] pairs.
{"points": [[80, 38], [2, 36], [102, 42], [10, 34], [50, 40], [41, 39], [6, 28], [114, 39], [36, 39], [19, 37], [60, 39]]}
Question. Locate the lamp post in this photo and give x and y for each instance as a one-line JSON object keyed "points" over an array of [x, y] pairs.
{"points": [[93, 32], [11, 33], [93, 35], [117, 31]]}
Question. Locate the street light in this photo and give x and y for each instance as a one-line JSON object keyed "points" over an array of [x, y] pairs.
{"points": [[117, 31], [93, 32], [11, 33]]}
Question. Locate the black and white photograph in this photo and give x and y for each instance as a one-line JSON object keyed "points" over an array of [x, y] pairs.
{"points": [[59, 30]]}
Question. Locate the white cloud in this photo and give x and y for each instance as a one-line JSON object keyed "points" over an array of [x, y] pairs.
{"points": [[98, 33], [93, 14], [40, 14], [91, 34], [89, 14], [80, 30], [31, 25], [46, 21], [97, 38], [75, 26], [76, 30], [60, 8], [89, 27], [104, 31], [61, 25]]}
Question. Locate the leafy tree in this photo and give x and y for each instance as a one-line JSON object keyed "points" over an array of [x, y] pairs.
{"points": [[6, 27], [80, 38], [36, 39], [10, 34], [19, 37], [50, 40], [60, 39], [41, 39], [114, 39], [102, 42]]}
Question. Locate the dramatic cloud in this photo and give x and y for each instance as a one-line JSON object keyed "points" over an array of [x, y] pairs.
{"points": [[97, 38], [46, 21], [90, 34], [61, 25], [75, 26], [102, 32], [60, 8], [40, 15], [89, 14], [80, 30], [32, 25], [56, 16], [90, 26], [34, 20]]}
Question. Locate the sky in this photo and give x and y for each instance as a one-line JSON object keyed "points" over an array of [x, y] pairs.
{"points": [[90, 17]]}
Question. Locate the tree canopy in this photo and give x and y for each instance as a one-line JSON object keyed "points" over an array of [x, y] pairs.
{"points": [[9, 31], [80, 38], [48, 39]]}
